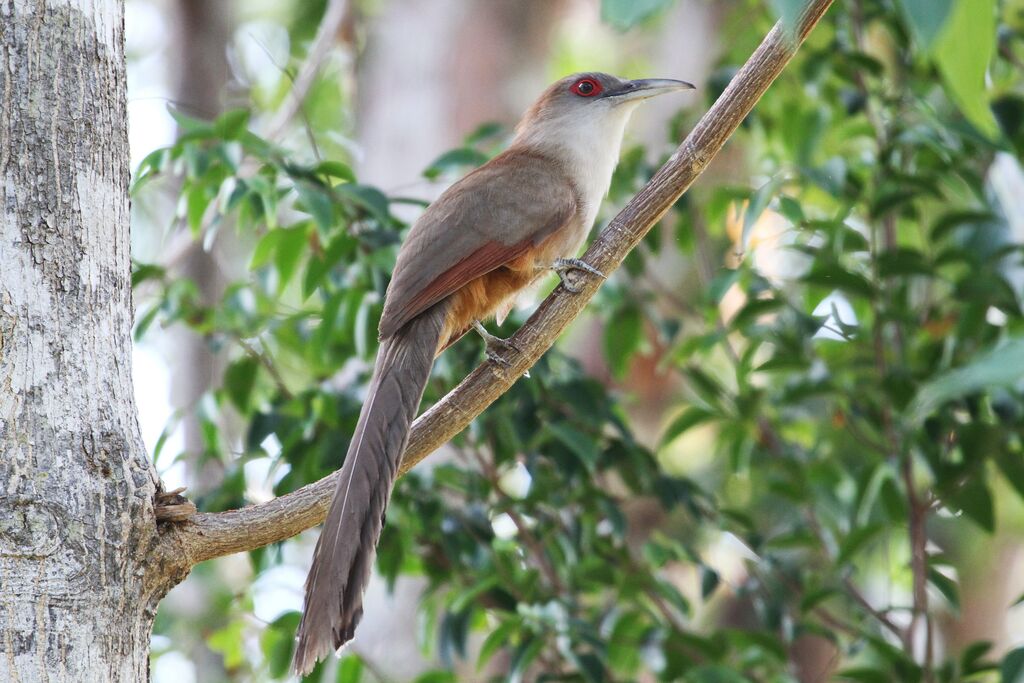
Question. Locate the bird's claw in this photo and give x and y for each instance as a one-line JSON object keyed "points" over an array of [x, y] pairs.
{"points": [[495, 348], [564, 266]]}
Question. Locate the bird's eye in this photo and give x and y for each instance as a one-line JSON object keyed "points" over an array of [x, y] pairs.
{"points": [[586, 87]]}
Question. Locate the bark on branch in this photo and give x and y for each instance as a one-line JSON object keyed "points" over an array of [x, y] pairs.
{"points": [[212, 535]]}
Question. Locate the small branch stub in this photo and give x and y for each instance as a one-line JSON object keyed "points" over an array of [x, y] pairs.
{"points": [[171, 506]]}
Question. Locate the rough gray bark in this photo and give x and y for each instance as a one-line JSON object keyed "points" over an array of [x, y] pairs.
{"points": [[77, 596]]}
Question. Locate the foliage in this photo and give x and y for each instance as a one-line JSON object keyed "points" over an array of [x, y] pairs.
{"points": [[861, 403]]}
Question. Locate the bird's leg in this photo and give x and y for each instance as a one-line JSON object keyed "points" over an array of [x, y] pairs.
{"points": [[496, 347], [564, 266]]}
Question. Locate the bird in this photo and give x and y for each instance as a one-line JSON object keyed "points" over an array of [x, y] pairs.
{"points": [[493, 233]]}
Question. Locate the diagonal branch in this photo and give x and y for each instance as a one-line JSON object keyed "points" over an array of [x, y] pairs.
{"points": [[212, 535]]}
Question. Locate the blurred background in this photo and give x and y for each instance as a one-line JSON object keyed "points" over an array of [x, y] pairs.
{"points": [[785, 442]]}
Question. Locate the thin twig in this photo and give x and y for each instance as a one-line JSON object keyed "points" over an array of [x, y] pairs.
{"points": [[851, 588], [918, 511], [264, 359], [212, 535], [533, 544], [334, 17], [862, 437], [706, 271]]}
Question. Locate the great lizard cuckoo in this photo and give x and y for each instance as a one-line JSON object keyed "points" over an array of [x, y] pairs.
{"points": [[494, 232]]}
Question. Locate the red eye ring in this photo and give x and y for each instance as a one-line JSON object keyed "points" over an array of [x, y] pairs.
{"points": [[586, 87]]}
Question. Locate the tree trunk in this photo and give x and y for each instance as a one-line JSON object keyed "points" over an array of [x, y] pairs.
{"points": [[76, 487]]}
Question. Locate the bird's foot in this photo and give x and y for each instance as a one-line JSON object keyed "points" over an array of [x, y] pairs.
{"points": [[564, 266], [495, 348]]}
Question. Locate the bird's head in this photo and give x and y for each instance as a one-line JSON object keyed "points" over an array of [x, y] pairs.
{"points": [[596, 101], [580, 121]]}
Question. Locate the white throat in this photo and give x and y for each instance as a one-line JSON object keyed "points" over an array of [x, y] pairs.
{"points": [[588, 142]]}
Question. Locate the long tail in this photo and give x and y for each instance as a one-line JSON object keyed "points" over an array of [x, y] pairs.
{"points": [[348, 543]]}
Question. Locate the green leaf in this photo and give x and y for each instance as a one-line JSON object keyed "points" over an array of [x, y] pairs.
{"points": [[263, 188], [902, 261], [364, 328], [239, 379], [232, 124], [1011, 464], [714, 674], [436, 677], [315, 270], [590, 666], [622, 336], [290, 247], [161, 441], [1012, 668], [196, 201], [834, 275], [464, 599], [278, 648], [372, 200], [497, 639], [669, 592], [855, 541], [276, 642], [350, 670], [963, 52], [758, 203], [975, 500], [723, 280], [625, 14], [709, 581], [690, 418], [753, 310], [150, 167], [523, 657], [791, 209], [863, 674], [815, 598], [971, 661], [265, 248], [146, 271], [228, 643], [317, 204], [189, 124], [946, 586], [455, 161], [144, 322], [484, 132], [704, 385], [926, 19], [952, 220], [336, 169], [1002, 366], [578, 443]]}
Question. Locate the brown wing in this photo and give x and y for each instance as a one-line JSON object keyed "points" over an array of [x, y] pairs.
{"points": [[489, 218]]}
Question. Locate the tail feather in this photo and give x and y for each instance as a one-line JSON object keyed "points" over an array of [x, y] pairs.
{"points": [[347, 546]]}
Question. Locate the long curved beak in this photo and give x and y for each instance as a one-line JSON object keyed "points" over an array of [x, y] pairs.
{"points": [[644, 88]]}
